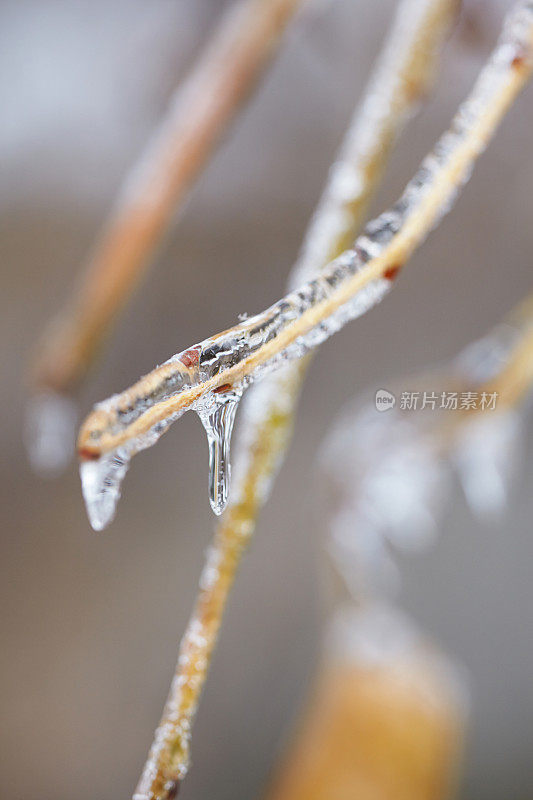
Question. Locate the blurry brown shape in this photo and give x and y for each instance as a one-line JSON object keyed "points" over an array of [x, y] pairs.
{"points": [[384, 730], [198, 115]]}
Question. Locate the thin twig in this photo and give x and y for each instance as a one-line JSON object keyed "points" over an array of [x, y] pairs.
{"points": [[292, 326], [403, 74], [198, 115]]}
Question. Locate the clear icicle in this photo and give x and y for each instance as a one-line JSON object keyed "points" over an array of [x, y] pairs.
{"points": [[218, 417], [101, 479], [100, 484], [50, 432]]}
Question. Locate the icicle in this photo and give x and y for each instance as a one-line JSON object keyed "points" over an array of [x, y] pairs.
{"points": [[217, 417], [101, 478], [100, 484], [50, 432]]}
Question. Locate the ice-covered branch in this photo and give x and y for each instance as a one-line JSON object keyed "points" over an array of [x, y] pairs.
{"points": [[403, 72], [210, 377], [198, 115]]}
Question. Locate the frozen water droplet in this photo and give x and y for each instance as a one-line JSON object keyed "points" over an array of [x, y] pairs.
{"points": [[50, 432], [100, 484], [217, 416]]}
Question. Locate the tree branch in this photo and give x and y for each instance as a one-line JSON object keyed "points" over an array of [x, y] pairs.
{"points": [[348, 286], [198, 115]]}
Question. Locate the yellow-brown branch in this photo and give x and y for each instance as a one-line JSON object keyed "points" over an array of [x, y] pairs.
{"points": [[198, 115]]}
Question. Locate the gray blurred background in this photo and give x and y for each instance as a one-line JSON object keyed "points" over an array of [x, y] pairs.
{"points": [[91, 623]]}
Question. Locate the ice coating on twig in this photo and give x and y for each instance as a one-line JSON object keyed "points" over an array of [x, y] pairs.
{"points": [[399, 81], [100, 478], [306, 317]]}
